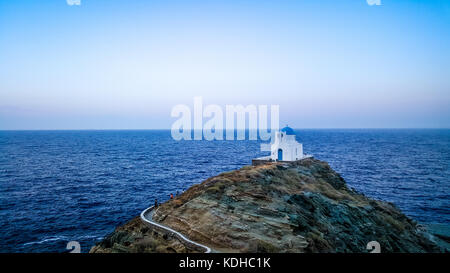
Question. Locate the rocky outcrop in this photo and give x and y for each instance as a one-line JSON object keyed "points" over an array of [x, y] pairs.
{"points": [[301, 206], [136, 237]]}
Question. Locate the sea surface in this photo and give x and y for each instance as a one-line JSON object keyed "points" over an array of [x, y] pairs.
{"points": [[61, 186]]}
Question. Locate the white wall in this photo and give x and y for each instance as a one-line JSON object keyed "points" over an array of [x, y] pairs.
{"points": [[292, 150]]}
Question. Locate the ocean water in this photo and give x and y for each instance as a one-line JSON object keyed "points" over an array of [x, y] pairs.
{"points": [[60, 186]]}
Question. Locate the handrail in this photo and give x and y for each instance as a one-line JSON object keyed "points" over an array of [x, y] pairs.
{"points": [[178, 234]]}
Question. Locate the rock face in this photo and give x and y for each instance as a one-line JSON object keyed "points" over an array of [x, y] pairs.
{"points": [[301, 206], [135, 237]]}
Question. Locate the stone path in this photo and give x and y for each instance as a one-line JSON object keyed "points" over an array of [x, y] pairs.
{"points": [[146, 217]]}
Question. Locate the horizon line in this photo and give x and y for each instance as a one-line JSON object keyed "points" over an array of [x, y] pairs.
{"points": [[310, 128]]}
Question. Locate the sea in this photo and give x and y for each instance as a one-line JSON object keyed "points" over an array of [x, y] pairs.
{"points": [[61, 186]]}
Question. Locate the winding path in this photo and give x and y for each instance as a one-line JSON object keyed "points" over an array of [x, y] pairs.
{"points": [[146, 217]]}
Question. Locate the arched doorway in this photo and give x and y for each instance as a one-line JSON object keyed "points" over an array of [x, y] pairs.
{"points": [[280, 155]]}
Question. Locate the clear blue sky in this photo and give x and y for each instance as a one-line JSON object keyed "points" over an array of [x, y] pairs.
{"points": [[122, 64]]}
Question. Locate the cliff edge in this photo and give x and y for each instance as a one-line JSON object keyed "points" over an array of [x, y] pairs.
{"points": [[302, 206]]}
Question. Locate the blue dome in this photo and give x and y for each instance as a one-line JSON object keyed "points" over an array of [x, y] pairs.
{"points": [[288, 131]]}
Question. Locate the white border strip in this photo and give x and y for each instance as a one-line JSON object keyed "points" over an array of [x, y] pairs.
{"points": [[181, 236]]}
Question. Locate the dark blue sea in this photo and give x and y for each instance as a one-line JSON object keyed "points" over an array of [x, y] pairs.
{"points": [[60, 186]]}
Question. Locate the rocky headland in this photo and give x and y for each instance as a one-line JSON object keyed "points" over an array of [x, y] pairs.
{"points": [[302, 206]]}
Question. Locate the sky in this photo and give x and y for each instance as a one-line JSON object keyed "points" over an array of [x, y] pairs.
{"points": [[124, 64]]}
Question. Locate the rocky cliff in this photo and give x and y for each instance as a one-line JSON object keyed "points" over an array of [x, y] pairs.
{"points": [[301, 206]]}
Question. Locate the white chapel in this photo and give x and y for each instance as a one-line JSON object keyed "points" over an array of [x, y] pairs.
{"points": [[285, 147]]}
